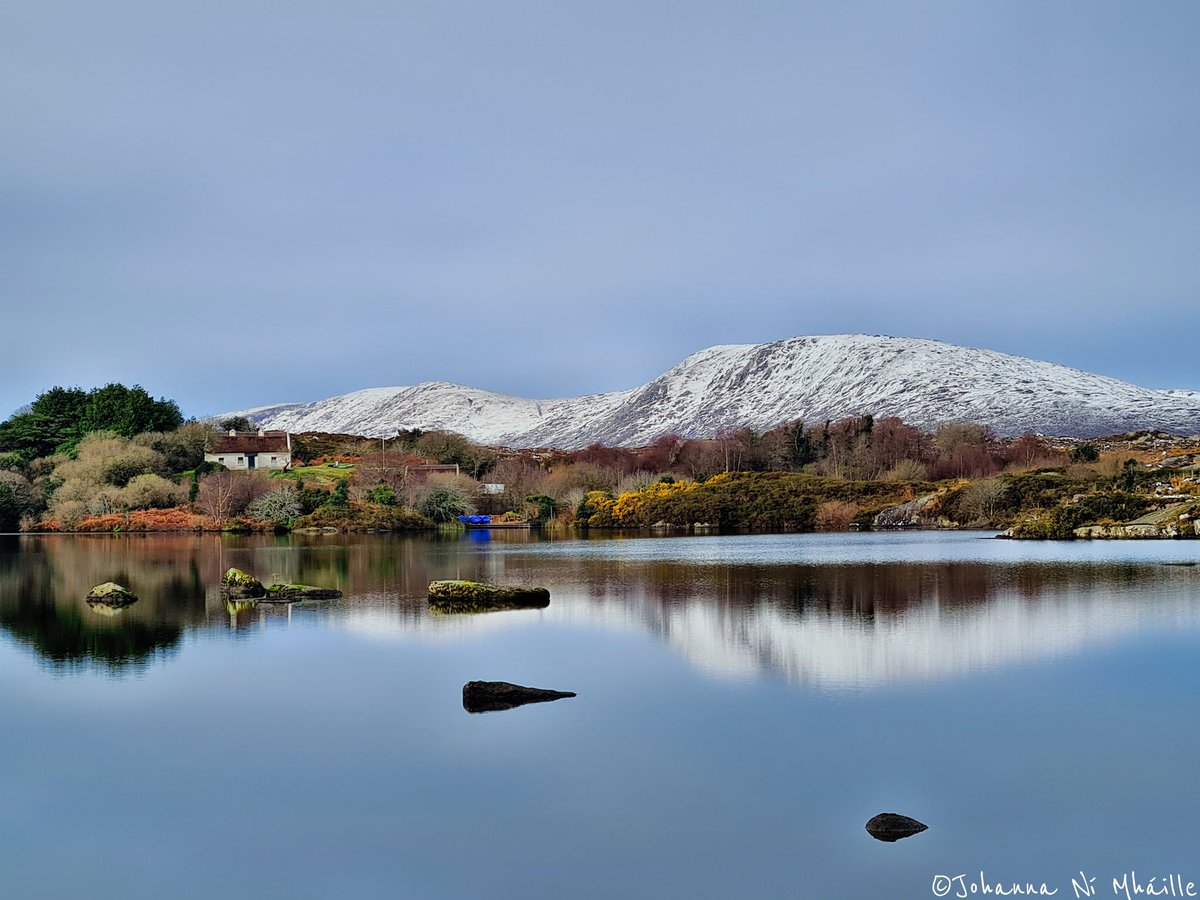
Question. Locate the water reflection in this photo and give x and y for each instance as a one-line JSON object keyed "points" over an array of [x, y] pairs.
{"points": [[866, 620]]}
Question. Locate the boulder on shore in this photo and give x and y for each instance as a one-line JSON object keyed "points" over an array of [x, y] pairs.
{"points": [[493, 696], [893, 826], [473, 596], [289, 593], [922, 512], [241, 585], [110, 595]]}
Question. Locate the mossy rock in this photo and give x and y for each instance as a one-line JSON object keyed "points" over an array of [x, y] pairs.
{"points": [[290, 593], [239, 584], [474, 597], [110, 594]]}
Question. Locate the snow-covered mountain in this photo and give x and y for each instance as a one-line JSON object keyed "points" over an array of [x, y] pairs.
{"points": [[762, 385]]}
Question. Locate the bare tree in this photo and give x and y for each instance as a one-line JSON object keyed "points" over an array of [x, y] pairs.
{"points": [[982, 500], [224, 495]]}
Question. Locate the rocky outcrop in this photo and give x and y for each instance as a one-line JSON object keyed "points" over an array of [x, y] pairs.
{"points": [[494, 696], [473, 597], [241, 585], [1178, 520], [893, 826], [1138, 531], [110, 597], [921, 512], [290, 593]]}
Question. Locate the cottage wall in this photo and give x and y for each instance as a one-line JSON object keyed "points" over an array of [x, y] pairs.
{"points": [[274, 459]]}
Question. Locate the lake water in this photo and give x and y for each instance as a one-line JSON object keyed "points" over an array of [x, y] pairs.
{"points": [[744, 705]]}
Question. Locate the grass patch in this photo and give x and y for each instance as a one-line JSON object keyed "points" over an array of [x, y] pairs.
{"points": [[323, 474]]}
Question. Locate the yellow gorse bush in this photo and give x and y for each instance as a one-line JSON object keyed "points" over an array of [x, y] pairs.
{"points": [[628, 507]]}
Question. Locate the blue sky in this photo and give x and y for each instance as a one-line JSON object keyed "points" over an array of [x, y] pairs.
{"points": [[239, 204]]}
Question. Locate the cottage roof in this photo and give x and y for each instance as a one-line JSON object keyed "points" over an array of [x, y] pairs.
{"points": [[250, 442]]}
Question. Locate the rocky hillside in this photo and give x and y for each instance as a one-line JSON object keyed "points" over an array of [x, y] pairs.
{"points": [[762, 385]]}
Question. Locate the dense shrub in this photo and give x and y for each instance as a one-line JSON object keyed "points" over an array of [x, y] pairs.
{"points": [[278, 506], [752, 501], [18, 498], [182, 450], [311, 499], [359, 516], [152, 492], [109, 474], [340, 495], [445, 501], [382, 494]]}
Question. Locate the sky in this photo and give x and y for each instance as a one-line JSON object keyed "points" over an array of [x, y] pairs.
{"points": [[237, 204]]}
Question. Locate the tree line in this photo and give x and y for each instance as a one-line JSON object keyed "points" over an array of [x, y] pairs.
{"points": [[75, 456]]}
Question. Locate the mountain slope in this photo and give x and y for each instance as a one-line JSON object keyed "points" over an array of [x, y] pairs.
{"points": [[762, 385]]}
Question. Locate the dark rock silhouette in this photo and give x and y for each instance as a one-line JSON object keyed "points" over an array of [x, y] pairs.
{"points": [[473, 597], [494, 696], [893, 826]]}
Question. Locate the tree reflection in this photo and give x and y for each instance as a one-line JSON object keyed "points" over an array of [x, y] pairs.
{"points": [[842, 621]]}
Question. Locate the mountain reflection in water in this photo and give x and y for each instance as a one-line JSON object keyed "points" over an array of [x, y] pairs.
{"points": [[844, 616]]}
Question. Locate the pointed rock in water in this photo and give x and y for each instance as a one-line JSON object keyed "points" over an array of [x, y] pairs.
{"points": [[473, 596], [111, 595], [239, 584], [493, 696], [893, 826]]}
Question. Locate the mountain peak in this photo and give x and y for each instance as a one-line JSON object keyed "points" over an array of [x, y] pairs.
{"points": [[818, 377]]}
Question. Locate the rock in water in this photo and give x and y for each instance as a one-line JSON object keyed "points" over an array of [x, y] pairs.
{"points": [[110, 595], [893, 826], [289, 593], [241, 585], [493, 696], [472, 597]]}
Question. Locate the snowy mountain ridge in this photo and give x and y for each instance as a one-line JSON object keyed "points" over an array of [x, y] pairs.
{"points": [[924, 382]]}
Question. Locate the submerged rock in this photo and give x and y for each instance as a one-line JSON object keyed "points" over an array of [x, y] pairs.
{"points": [[239, 584], [472, 596], [289, 593], [893, 826], [493, 696], [110, 595]]}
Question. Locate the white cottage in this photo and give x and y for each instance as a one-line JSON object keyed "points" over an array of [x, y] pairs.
{"points": [[250, 449]]}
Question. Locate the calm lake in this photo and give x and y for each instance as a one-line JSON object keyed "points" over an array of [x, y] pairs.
{"points": [[744, 705]]}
